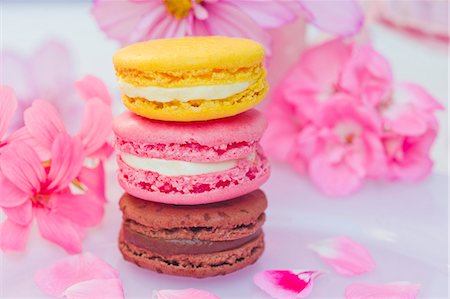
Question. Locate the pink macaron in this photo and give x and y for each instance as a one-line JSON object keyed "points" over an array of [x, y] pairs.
{"points": [[190, 163]]}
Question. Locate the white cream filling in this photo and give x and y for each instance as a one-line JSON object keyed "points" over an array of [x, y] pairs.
{"points": [[176, 167], [183, 94]]}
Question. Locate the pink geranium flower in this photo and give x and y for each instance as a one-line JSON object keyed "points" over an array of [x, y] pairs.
{"points": [[81, 276], [47, 74], [131, 21], [342, 147], [30, 190]]}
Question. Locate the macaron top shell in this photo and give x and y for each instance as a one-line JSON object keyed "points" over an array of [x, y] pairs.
{"points": [[190, 53], [248, 126], [242, 210]]}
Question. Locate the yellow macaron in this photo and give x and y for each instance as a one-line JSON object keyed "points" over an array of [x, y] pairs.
{"points": [[191, 78]]}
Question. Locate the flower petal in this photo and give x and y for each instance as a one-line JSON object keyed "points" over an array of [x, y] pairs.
{"points": [[344, 255], [94, 180], [183, 294], [43, 122], [67, 160], [22, 167], [286, 284], [342, 18], [83, 209], [393, 290], [8, 105], [269, 14], [59, 230], [228, 20], [334, 179], [96, 126], [92, 87], [21, 215], [10, 194], [95, 289], [71, 270], [13, 237]]}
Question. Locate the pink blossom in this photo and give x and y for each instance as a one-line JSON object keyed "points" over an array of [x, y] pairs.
{"points": [[342, 147], [47, 74], [80, 276], [344, 255], [286, 284], [393, 290], [183, 294], [132, 21], [32, 190], [410, 128]]}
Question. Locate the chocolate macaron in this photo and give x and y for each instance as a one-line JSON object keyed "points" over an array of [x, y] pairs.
{"points": [[196, 241]]}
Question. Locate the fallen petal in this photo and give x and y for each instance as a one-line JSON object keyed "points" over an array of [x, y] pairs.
{"points": [[95, 289], [393, 290], [344, 255], [286, 284], [59, 277], [183, 294]]}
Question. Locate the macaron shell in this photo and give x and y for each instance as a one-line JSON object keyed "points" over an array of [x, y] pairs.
{"points": [[248, 126], [189, 53], [217, 186]]}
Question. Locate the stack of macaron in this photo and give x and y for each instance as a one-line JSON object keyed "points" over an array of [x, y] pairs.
{"points": [[189, 156]]}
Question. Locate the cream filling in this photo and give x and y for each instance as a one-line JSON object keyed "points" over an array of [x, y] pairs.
{"points": [[183, 94], [176, 167]]}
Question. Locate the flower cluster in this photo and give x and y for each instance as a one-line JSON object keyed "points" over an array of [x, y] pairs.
{"points": [[49, 175], [340, 117]]}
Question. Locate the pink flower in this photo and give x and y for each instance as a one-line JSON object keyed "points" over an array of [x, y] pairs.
{"points": [[183, 294], [31, 190], [346, 256], [286, 284], [80, 276], [43, 123], [131, 21], [46, 74], [342, 147], [410, 130], [393, 290]]}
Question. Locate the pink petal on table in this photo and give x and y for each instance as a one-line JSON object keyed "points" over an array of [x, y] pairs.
{"points": [[8, 105], [95, 289], [269, 14], [10, 194], [183, 294], [228, 20], [344, 255], [84, 209], [71, 270], [286, 284], [67, 160], [342, 18], [22, 167], [13, 237], [393, 290], [43, 122], [59, 230], [92, 87], [21, 215], [96, 125]]}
